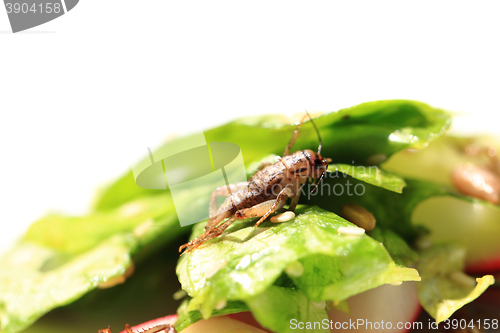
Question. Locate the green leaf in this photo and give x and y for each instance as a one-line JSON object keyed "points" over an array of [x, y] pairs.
{"points": [[469, 222], [444, 287], [392, 210], [371, 175], [281, 309], [399, 250], [146, 294], [436, 162], [76, 234], [28, 290], [246, 262], [364, 134], [423, 208], [187, 318], [62, 258]]}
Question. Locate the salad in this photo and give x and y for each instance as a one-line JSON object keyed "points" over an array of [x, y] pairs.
{"points": [[406, 218]]}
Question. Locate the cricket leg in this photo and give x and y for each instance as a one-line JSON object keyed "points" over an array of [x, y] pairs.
{"points": [[211, 225], [225, 190], [294, 137], [214, 221], [294, 202], [266, 208], [208, 235], [258, 210]]}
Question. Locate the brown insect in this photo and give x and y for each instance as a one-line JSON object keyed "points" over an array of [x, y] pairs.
{"points": [[164, 328], [266, 192]]}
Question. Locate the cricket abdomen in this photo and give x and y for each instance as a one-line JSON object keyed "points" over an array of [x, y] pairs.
{"points": [[267, 183]]}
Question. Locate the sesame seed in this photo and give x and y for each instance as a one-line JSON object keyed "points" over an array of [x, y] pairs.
{"points": [[295, 269], [221, 304], [112, 282], [350, 231], [180, 294], [283, 217], [216, 266], [396, 283], [115, 280]]}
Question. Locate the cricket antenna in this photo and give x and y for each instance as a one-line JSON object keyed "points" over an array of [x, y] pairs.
{"points": [[319, 152], [319, 181], [317, 132]]}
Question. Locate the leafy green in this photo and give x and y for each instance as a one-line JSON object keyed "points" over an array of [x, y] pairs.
{"points": [[27, 291], [444, 287], [353, 135], [248, 261], [279, 308], [186, 318], [392, 210], [436, 162], [60, 259], [145, 295], [371, 175], [76, 234], [470, 222], [130, 223], [399, 250]]}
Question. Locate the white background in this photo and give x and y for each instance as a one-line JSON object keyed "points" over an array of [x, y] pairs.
{"points": [[82, 96]]}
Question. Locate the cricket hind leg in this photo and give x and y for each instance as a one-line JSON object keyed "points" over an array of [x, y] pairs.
{"points": [[211, 225], [225, 190], [266, 208], [207, 235], [214, 225]]}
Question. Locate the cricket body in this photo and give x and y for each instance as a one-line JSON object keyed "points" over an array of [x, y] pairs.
{"points": [[163, 328], [266, 192]]}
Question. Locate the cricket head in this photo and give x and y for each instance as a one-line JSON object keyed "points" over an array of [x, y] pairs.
{"points": [[317, 164]]}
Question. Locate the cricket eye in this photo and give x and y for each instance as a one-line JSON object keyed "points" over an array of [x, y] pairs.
{"points": [[318, 162]]}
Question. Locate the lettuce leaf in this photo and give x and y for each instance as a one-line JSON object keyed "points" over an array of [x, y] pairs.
{"points": [[399, 250], [472, 223], [27, 290], [369, 174], [146, 294], [436, 162], [279, 308], [364, 134], [76, 234], [145, 219], [249, 261], [62, 258], [392, 210], [186, 318], [444, 287]]}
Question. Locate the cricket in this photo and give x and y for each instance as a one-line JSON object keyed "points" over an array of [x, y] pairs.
{"points": [[266, 192], [164, 328]]}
